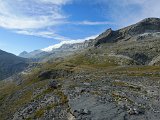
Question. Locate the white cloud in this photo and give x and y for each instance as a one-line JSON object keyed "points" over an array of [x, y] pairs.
{"points": [[22, 14], [14, 22], [34, 17], [57, 2], [50, 48], [45, 34], [146, 8], [93, 23], [26, 17], [126, 12], [130, 2]]}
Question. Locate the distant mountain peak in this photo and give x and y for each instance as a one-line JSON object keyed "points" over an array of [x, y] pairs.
{"points": [[23, 53]]}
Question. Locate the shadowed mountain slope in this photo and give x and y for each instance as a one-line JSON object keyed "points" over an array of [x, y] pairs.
{"points": [[10, 64]]}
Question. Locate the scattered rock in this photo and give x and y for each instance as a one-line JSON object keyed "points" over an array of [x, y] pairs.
{"points": [[53, 84]]}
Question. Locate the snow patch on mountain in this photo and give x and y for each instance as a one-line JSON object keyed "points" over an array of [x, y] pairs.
{"points": [[56, 46]]}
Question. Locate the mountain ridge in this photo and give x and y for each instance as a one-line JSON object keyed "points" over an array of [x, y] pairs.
{"points": [[11, 64], [144, 26]]}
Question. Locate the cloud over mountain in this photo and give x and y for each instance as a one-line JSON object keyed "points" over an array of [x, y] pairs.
{"points": [[50, 48]]}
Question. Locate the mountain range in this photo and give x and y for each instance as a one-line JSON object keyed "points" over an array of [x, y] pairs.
{"points": [[133, 43], [115, 76], [56, 51]]}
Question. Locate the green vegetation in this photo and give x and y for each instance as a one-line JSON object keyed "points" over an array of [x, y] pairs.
{"points": [[39, 113], [92, 60], [9, 91], [139, 71]]}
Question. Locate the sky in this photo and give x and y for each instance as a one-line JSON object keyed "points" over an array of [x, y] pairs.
{"points": [[27, 25]]}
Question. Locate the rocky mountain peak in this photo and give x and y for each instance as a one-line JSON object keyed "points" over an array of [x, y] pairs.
{"points": [[150, 20], [105, 34], [148, 25]]}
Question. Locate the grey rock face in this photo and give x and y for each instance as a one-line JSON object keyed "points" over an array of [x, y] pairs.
{"points": [[87, 107]]}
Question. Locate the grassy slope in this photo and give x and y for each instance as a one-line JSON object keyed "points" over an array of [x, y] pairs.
{"points": [[89, 62]]}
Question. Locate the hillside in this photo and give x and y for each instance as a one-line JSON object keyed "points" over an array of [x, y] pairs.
{"points": [[10, 64], [135, 44], [138, 42], [113, 77]]}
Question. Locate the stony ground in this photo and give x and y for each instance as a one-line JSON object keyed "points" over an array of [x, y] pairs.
{"points": [[115, 93], [114, 97]]}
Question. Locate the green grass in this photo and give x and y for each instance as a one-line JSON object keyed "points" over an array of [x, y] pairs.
{"points": [[93, 61], [39, 113], [139, 71], [9, 91]]}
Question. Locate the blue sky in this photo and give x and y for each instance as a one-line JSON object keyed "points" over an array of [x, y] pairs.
{"points": [[27, 25]]}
